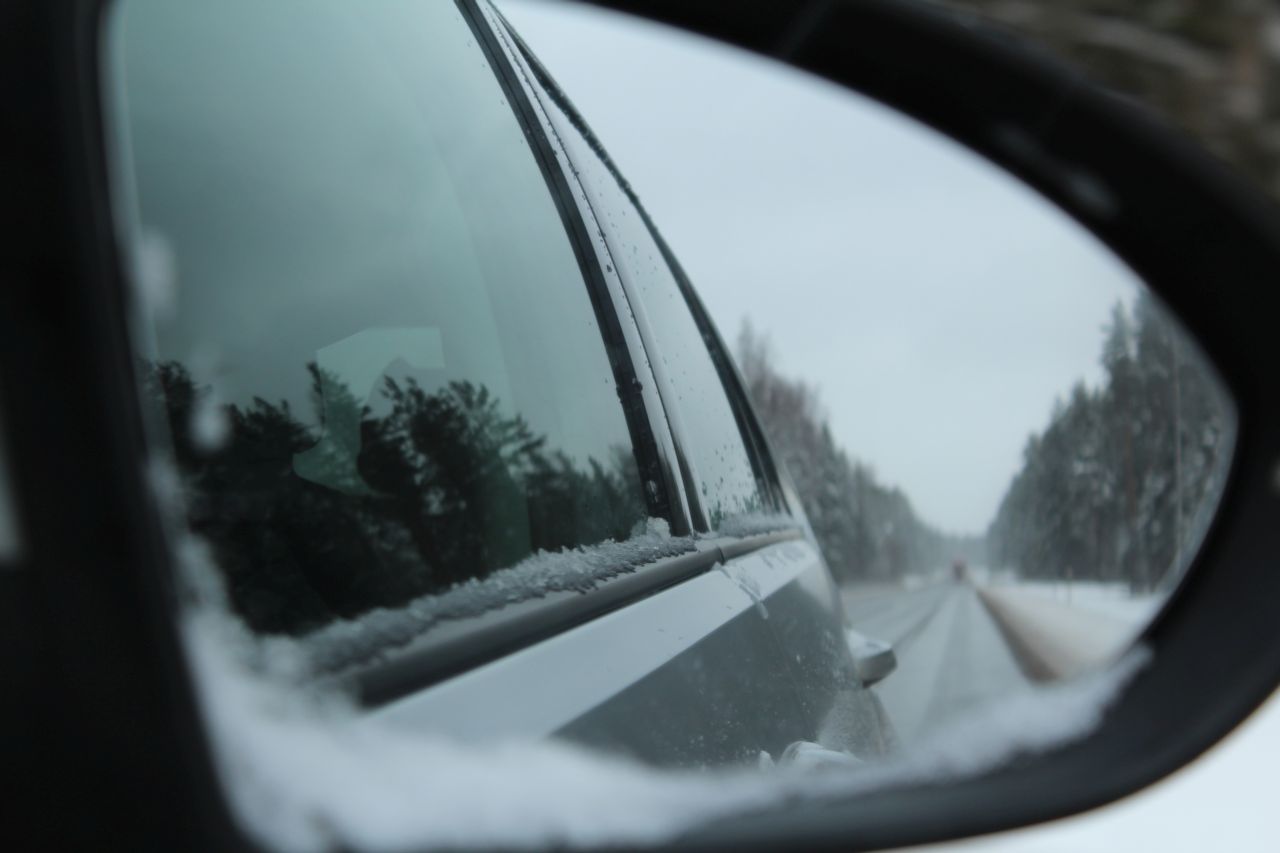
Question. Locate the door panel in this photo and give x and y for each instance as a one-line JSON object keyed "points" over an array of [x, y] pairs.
{"points": [[737, 660]]}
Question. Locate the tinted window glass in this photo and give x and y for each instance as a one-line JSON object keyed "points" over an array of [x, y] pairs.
{"points": [[380, 364], [727, 483]]}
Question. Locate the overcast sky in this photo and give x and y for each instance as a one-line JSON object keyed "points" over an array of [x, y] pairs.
{"points": [[938, 305]]}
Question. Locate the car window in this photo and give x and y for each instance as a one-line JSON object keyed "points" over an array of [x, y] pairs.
{"points": [[371, 339], [727, 470]]}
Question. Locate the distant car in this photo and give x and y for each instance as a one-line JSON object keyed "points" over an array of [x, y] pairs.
{"points": [[959, 570], [442, 402]]}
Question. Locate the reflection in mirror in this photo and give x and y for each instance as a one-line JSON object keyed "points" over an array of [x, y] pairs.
{"points": [[1007, 449], [456, 449]]}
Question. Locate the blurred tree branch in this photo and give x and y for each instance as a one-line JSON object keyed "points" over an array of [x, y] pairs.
{"points": [[1208, 67]]}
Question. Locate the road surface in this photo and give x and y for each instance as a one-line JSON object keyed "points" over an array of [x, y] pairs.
{"points": [[960, 645], [951, 653]]}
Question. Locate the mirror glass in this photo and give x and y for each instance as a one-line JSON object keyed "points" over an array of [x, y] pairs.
{"points": [[450, 443], [1007, 449]]}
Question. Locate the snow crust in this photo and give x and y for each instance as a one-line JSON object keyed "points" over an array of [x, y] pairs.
{"points": [[305, 770], [386, 632]]}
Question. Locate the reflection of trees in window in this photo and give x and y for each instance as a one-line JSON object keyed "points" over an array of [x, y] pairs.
{"points": [[310, 525], [867, 529]]}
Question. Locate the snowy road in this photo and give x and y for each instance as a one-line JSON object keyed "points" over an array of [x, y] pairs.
{"points": [[951, 654]]}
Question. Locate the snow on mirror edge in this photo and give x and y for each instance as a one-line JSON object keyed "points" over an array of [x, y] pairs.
{"points": [[305, 770]]}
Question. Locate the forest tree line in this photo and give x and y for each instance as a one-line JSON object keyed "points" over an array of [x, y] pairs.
{"points": [[1122, 479], [867, 530]]}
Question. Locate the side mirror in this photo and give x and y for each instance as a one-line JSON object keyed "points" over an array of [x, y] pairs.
{"points": [[96, 596], [873, 660]]}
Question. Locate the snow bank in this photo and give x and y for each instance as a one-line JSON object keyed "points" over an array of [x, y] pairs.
{"points": [[1060, 638], [1108, 599]]}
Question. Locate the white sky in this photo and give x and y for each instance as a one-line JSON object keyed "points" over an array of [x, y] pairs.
{"points": [[938, 305]]}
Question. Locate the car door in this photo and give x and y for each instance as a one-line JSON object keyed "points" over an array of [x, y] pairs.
{"points": [[737, 494], [416, 410]]}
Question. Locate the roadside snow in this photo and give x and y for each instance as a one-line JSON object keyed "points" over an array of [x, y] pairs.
{"points": [[1063, 641], [1068, 630], [1108, 599]]}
